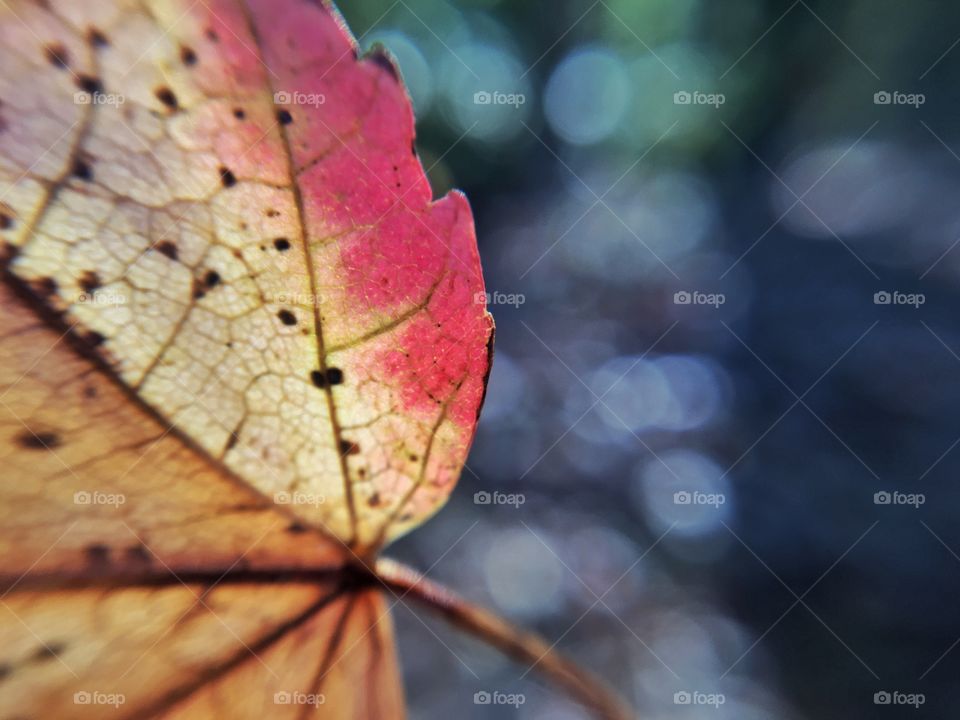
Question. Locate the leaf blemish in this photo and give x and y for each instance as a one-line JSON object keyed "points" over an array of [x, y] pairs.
{"points": [[49, 651], [57, 55], [168, 248], [90, 84], [227, 177], [45, 287], [333, 376], [97, 554], [39, 441], [281, 244], [187, 56], [138, 554], [82, 170], [166, 96], [287, 317], [97, 38], [89, 281]]}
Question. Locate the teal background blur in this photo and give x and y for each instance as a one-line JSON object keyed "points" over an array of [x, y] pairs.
{"points": [[599, 194]]}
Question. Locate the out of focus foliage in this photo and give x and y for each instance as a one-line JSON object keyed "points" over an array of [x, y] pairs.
{"points": [[600, 194]]}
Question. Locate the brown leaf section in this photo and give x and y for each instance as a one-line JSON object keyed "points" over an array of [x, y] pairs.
{"points": [[138, 580]]}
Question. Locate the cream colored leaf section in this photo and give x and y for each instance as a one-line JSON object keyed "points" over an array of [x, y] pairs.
{"points": [[212, 252]]}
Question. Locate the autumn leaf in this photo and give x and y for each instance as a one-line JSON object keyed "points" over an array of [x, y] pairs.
{"points": [[242, 350]]}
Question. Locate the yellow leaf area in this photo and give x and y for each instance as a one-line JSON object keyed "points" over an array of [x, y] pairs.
{"points": [[241, 349]]}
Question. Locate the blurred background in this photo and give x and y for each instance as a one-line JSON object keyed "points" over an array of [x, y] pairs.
{"points": [[717, 462]]}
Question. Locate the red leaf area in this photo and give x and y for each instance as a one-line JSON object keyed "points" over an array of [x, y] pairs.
{"points": [[361, 183]]}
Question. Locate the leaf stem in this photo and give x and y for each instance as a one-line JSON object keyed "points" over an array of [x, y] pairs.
{"points": [[520, 645]]}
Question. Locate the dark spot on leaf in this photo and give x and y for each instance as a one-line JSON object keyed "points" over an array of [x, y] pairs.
{"points": [[89, 281], [227, 177], [138, 554], [374, 500], [414, 458], [166, 96], [212, 35], [6, 222], [38, 440], [82, 170], [49, 651], [97, 38], [90, 391], [90, 84], [45, 287], [272, 213], [239, 113], [287, 317], [187, 56], [168, 248], [334, 376], [57, 55], [94, 339], [281, 244], [296, 528], [348, 447], [232, 440], [198, 290], [211, 279], [284, 117], [97, 554]]}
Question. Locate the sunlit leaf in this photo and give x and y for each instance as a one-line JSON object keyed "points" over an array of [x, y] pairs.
{"points": [[242, 349]]}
